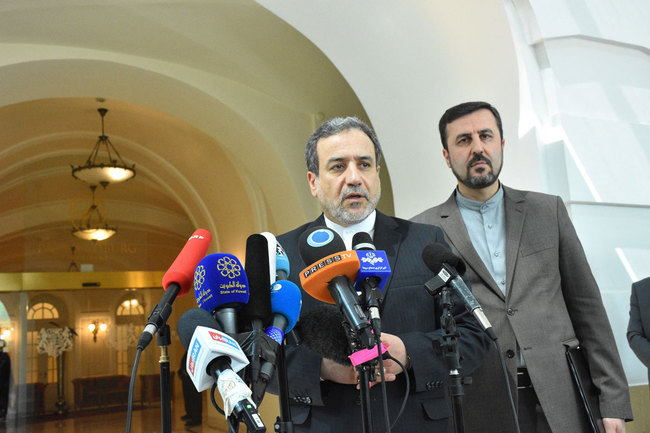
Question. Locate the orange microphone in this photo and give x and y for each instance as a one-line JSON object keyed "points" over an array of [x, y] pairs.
{"points": [[315, 278], [328, 278]]}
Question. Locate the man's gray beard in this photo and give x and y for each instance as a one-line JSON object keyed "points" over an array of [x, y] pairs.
{"points": [[347, 218]]}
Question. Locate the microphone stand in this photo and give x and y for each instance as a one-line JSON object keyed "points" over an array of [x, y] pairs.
{"points": [[449, 349], [164, 340], [283, 423], [365, 375], [365, 370]]}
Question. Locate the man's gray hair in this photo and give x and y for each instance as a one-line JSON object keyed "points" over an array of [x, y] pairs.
{"points": [[332, 127]]}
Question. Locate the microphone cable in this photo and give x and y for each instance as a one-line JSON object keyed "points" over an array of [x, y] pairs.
{"points": [[129, 407], [382, 374]]}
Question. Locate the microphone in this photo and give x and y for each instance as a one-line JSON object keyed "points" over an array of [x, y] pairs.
{"points": [[328, 278], [286, 301], [221, 288], [257, 313], [271, 246], [447, 265], [321, 331], [214, 356], [281, 263], [258, 310], [176, 281], [374, 271]]}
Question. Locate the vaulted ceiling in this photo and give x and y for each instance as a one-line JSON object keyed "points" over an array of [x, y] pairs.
{"points": [[211, 100]]}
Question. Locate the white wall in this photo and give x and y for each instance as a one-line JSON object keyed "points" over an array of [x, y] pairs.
{"points": [[569, 78]]}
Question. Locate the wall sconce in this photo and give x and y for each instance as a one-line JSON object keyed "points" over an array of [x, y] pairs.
{"points": [[95, 327]]}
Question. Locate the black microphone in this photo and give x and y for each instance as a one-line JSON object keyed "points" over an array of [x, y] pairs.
{"points": [[258, 310], [257, 313], [321, 331], [332, 265], [447, 265]]}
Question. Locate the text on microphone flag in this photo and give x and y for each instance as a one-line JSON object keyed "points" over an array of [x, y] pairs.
{"points": [[327, 261], [194, 353]]}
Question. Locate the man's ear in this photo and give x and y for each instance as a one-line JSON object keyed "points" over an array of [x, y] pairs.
{"points": [[312, 179], [445, 153]]}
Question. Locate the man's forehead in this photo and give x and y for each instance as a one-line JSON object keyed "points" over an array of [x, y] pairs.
{"points": [[480, 119], [346, 145]]}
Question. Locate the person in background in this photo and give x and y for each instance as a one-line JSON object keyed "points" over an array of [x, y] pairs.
{"points": [[530, 274], [638, 328]]}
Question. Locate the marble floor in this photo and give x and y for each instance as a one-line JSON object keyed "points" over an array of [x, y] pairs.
{"points": [[144, 420]]}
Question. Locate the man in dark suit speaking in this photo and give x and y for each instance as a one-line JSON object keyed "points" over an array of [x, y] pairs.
{"points": [[342, 158]]}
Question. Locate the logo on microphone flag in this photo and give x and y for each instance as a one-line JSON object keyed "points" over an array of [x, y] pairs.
{"points": [[371, 257], [223, 339]]}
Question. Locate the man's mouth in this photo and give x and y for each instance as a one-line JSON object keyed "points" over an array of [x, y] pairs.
{"points": [[355, 196]]}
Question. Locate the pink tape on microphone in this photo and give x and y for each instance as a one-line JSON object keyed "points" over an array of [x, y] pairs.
{"points": [[361, 356]]}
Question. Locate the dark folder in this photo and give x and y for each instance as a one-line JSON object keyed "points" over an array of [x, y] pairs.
{"points": [[588, 392]]}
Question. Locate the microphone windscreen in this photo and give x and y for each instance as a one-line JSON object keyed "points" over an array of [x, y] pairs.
{"points": [[220, 280], [286, 300], [319, 242], [181, 271], [259, 280], [321, 331], [362, 241], [434, 255], [188, 322]]}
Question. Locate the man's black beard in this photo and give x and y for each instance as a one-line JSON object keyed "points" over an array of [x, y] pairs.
{"points": [[482, 180]]}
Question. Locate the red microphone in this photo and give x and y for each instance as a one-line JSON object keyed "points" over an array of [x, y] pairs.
{"points": [[176, 281], [181, 272]]}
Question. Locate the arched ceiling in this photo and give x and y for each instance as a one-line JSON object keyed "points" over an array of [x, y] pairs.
{"points": [[212, 101]]}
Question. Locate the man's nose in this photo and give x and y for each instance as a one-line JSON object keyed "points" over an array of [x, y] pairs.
{"points": [[477, 144], [352, 176]]}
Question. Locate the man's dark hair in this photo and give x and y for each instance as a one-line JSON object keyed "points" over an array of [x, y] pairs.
{"points": [[332, 127], [464, 109]]}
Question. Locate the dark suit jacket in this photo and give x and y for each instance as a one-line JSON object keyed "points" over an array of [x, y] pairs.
{"points": [[552, 302], [408, 312], [638, 329]]}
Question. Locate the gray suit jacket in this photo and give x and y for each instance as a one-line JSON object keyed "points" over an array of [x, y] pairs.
{"points": [[638, 329], [552, 302]]}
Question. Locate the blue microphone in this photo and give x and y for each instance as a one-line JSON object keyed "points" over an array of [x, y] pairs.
{"points": [[286, 301], [374, 272], [221, 288]]}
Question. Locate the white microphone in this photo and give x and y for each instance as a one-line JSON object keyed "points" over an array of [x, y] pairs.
{"points": [[215, 356]]}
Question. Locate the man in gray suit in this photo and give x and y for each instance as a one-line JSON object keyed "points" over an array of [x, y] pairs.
{"points": [[638, 329], [529, 272]]}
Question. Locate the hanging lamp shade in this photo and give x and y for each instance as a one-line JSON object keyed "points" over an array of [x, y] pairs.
{"points": [[104, 165]]}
